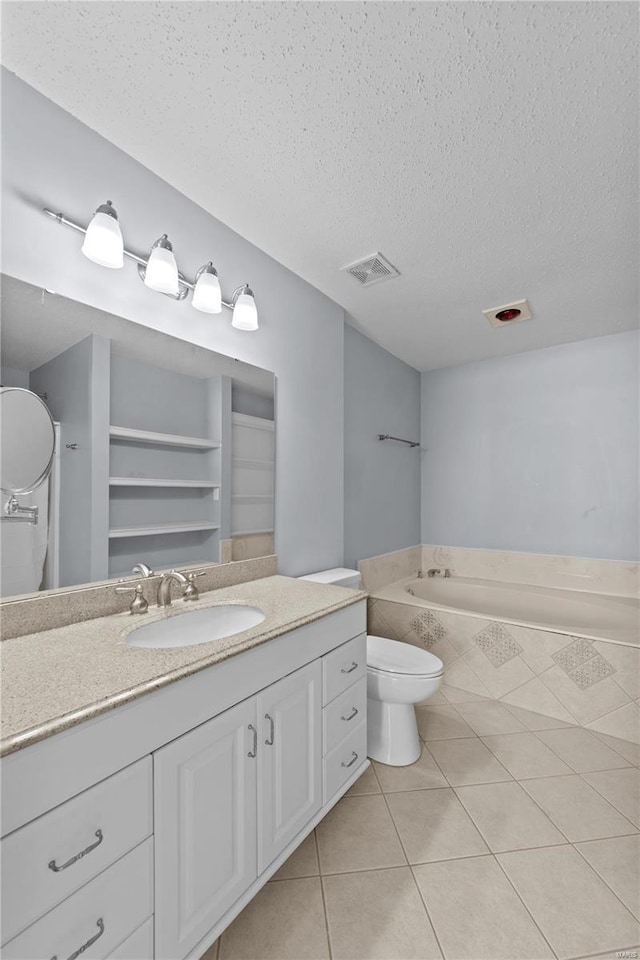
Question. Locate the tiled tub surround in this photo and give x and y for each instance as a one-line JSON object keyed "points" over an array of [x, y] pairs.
{"points": [[34, 612], [610, 577], [593, 683], [452, 856]]}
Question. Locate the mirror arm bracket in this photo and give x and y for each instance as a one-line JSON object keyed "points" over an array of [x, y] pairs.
{"points": [[13, 511]]}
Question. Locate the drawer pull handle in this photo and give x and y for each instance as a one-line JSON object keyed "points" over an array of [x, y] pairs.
{"points": [[352, 761], [354, 666], [272, 734], [253, 753], [76, 953], [63, 866], [354, 713]]}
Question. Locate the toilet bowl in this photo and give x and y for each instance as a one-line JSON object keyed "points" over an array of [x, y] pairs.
{"points": [[399, 675]]}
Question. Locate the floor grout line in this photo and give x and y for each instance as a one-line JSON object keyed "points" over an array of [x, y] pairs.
{"points": [[610, 802], [599, 734], [598, 874], [533, 919], [324, 899]]}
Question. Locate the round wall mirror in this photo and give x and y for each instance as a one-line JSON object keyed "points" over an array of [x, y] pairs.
{"points": [[27, 441]]}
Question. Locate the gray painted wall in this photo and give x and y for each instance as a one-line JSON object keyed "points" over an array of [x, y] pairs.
{"points": [[77, 386], [537, 452], [12, 377], [301, 331], [382, 479]]}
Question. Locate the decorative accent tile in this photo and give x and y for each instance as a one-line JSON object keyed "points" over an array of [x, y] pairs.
{"points": [[503, 651], [574, 654], [497, 644], [428, 628], [582, 663], [592, 671]]}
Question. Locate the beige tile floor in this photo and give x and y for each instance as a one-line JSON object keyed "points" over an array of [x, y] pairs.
{"points": [[514, 836]]}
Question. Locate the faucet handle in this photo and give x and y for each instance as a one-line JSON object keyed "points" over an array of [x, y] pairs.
{"points": [[139, 603], [191, 592]]}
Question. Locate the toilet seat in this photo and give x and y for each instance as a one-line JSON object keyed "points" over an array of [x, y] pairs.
{"points": [[401, 659]]}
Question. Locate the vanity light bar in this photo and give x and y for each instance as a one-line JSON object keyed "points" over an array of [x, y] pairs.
{"points": [[241, 303]]}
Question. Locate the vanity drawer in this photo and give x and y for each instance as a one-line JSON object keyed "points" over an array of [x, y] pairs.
{"points": [[96, 827], [343, 666], [344, 760], [138, 946], [343, 714], [95, 919]]}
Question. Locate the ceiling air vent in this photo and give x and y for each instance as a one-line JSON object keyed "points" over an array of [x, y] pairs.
{"points": [[372, 270]]}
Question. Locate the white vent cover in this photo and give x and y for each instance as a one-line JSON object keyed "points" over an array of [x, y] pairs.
{"points": [[511, 313], [372, 270]]}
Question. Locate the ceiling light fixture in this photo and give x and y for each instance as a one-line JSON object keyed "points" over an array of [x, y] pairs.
{"points": [[508, 313], [103, 239], [103, 244], [245, 314], [207, 296], [161, 271]]}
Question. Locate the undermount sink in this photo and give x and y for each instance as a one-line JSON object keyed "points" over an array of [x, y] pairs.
{"points": [[200, 626]]}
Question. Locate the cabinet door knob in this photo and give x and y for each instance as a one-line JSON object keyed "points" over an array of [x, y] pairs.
{"points": [[76, 953], [352, 761], [63, 866], [255, 742], [354, 713], [354, 666], [272, 732]]}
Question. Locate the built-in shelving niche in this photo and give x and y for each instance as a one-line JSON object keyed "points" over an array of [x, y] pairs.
{"points": [[165, 466]]}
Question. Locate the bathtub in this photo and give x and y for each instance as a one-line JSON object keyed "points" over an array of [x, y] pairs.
{"points": [[591, 615]]}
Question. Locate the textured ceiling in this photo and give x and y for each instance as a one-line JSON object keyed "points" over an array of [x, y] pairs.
{"points": [[489, 150]]}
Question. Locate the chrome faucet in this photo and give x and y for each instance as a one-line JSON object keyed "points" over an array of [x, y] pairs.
{"points": [[142, 569], [164, 587], [436, 572]]}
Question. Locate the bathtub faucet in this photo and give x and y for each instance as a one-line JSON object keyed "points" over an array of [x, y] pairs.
{"points": [[436, 572]]}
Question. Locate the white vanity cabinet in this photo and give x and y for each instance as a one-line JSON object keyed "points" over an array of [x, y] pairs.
{"points": [[205, 826], [143, 832], [289, 759], [229, 797]]}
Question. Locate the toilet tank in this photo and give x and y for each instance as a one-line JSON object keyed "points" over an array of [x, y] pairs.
{"points": [[340, 576]]}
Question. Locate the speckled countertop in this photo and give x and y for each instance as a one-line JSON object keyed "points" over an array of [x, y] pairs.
{"points": [[58, 678]]}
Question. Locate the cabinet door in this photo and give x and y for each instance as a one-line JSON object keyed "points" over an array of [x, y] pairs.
{"points": [[290, 759], [205, 827]]}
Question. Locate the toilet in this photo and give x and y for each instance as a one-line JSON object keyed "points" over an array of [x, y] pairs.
{"points": [[399, 675]]}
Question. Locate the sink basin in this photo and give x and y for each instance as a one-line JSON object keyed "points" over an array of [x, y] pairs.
{"points": [[201, 626]]}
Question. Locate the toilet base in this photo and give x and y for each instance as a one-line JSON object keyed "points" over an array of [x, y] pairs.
{"points": [[392, 733]]}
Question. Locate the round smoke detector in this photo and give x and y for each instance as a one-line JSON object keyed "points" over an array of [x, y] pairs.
{"points": [[508, 313]]}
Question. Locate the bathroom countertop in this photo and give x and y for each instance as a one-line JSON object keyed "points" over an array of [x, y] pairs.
{"points": [[58, 678]]}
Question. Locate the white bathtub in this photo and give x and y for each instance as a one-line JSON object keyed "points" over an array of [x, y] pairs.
{"points": [[591, 615]]}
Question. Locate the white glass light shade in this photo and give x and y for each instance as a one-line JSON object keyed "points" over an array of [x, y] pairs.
{"points": [[207, 296], [161, 272], [245, 314], [103, 241]]}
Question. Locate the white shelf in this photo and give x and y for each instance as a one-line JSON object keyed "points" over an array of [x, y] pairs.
{"points": [[249, 533], [248, 464], [253, 498], [163, 439], [151, 482], [154, 529]]}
